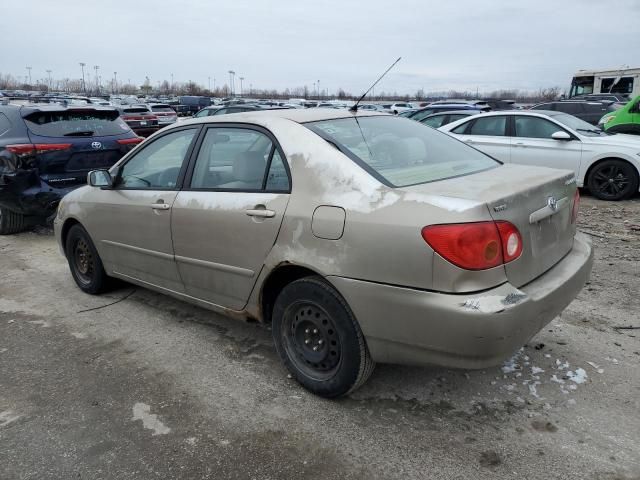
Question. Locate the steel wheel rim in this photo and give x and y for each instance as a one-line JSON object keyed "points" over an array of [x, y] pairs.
{"points": [[611, 181], [311, 340], [83, 261]]}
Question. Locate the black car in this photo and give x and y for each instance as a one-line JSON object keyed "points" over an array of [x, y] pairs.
{"points": [[437, 120], [425, 112], [46, 150], [219, 110], [590, 112]]}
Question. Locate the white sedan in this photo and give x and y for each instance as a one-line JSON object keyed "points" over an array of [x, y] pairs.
{"points": [[607, 164]]}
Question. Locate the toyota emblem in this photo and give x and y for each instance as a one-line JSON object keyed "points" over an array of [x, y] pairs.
{"points": [[96, 145], [552, 203]]}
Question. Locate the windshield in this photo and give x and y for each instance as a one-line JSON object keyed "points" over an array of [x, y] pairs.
{"points": [[69, 122], [576, 124], [402, 152]]}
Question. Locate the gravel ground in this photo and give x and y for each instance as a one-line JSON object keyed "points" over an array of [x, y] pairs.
{"points": [[149, 387]]}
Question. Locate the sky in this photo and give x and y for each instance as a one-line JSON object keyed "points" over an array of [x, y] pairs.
{"points": [[470, 45]]}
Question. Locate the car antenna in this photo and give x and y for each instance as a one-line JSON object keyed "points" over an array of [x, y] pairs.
{"points": [[354, 108]]}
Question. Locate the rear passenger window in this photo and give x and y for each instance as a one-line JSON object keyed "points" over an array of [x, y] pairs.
{"points": [[237, 159], [434, 122], [493, 126]]}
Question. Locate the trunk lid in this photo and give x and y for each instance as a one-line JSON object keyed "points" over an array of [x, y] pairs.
{"points": [[537, 200]]}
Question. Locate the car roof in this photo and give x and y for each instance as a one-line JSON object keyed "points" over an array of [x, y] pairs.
{"points": [[297, 115]]}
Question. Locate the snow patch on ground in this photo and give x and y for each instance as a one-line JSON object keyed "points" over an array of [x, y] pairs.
{"points": [[150, 421]]}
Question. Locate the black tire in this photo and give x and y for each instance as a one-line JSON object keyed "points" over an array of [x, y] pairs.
{"points": [[308, 314], [10, 222], [613, 179], [84, 261]]}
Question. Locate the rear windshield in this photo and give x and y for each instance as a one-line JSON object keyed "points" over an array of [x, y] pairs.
{"points": [[161, 108], [402, 152], [135, 110], [70, 123]]}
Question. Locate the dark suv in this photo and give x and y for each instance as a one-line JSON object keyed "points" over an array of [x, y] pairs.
{"points": [[590, 112], [47, 150]]}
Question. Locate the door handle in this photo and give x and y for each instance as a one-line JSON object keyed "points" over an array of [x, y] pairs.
{"points": [[160, 205], [519, 144], [261, 212], [468, 140]]}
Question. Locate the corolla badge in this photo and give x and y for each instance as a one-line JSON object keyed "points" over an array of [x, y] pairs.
{"points": [[96, 145], [552, 203]]}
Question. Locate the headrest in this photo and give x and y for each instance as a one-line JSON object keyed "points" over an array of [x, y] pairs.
{"points": [[249, 167]]}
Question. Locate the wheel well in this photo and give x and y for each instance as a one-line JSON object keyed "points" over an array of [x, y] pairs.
{"points": [[70, 222], [590, 169], [279, 278]]}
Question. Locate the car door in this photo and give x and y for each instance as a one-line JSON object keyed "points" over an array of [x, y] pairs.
{"points": [[532, 144], [488, 134], [133, 220], [227, 217]]}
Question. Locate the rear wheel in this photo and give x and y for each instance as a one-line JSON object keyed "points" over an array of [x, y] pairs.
{"points": [[10, 222], [319, 340], [613, 180], [84, 261]]}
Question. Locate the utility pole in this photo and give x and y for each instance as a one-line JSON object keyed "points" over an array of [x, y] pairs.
{"points": [[241, 80], [231, 81], [84, 86], [96, 68]]}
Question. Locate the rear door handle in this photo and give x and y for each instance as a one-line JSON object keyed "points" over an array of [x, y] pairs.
{"points": [[519, 144], [160, 206], [261, 212], [468, 140]]}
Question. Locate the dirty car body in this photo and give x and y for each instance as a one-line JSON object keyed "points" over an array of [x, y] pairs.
{"points": [[46, 151], [437, 253]]}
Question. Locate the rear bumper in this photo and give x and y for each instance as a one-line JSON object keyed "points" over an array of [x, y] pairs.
{"points": [[415, 327]]}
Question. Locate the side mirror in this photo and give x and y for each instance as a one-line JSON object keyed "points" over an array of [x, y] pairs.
{"points": [[560, 135], [100, 178]]}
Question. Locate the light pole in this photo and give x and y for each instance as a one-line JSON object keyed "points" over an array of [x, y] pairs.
{"points": [[241, 80], [231, 82], [319, 92], [29, 70], [49, 73], [115, 82], [209, 83], [96, 68], [84, 87], [214, 83]]}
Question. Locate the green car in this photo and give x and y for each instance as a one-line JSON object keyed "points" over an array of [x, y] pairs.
{"points": [[624, 120]]}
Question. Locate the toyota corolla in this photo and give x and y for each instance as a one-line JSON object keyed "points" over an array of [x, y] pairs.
{"points": [[360, 237]]}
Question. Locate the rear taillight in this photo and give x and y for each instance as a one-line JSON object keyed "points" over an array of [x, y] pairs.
{"points": [[576, 206], [475, 246], [130, 141], [26, 148]]}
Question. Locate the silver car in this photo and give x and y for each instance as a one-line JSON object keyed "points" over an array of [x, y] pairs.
{"points": [[360, 237]]}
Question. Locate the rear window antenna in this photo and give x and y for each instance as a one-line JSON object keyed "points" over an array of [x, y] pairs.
{"points": [[355, 106]]}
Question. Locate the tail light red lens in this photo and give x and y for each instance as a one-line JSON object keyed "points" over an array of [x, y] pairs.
{"points": [[130, 141], [475, 246], [576, 206], [26, 148]]}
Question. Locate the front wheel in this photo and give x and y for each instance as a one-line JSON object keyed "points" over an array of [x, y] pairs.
{"points": [[84, 261], [613, 180], [319, 340]]}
